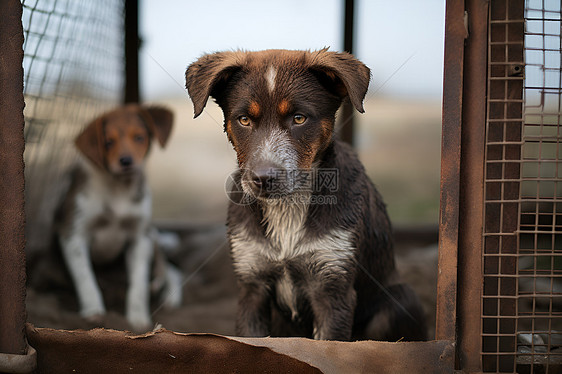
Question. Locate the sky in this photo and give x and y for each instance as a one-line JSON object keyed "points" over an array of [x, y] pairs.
{"points": [[401, 41]]}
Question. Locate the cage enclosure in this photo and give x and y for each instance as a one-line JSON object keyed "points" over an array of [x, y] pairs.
{"points": [[499, 294]]}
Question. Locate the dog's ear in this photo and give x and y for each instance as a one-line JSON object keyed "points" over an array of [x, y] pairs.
{"points": [[344, 74], [91, 142], [205, 74], [159, 121]]}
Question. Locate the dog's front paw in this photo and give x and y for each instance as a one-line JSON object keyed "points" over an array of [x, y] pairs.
{"points": [[93, 314], [96, 320], [139, 320], [172, 293]]}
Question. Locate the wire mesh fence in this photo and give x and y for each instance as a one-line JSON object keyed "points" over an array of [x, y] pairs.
{"points": [[540, 238], [522, 254], [73, 70], [502, 170]]}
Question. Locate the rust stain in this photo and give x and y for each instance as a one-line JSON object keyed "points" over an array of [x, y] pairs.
{"points": [[455, 33]]}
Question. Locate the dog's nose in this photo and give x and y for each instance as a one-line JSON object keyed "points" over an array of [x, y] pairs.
{"points": [[126, 161], [265, 178], [260, 178]]}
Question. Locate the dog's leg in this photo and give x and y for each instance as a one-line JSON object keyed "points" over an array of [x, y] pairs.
{"points": [[333, 303], [254, 311], [76, 255], [172, 293], [137, 306]]}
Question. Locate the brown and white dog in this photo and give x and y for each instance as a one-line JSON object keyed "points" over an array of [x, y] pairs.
{"points": [[107, 210], [313, 250]]}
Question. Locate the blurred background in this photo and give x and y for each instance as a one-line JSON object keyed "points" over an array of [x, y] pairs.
{"points": [[74, 71], [398, 136]]}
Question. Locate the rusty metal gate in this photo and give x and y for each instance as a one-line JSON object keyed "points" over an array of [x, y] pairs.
{"points": [[509, 238], [521, 310]]}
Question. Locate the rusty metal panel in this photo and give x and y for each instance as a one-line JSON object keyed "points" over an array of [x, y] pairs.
{"points": [[455, 34], [513, 238], [12, 217], [162, 351], [509, 222], [471, 191]]}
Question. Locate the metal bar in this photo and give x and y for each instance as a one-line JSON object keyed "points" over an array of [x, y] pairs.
{"points": [[347, 112], [132, 45], [469, 286], [349, 25], [455, 34], [12, 216]]}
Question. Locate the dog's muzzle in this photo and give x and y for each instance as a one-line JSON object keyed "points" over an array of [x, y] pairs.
{"points": [[267, 181]]}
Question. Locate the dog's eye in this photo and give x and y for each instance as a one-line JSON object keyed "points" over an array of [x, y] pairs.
{"points": [[299, 119], [139, 138], [109, 143], [244, 121]]}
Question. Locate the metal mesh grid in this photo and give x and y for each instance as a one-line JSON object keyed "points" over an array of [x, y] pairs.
{"points": [[73, 70], [522, 263]]}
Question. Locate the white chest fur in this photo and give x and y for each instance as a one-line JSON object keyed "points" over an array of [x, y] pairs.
{"points": [[286, 239], [284, 228], [113, 215]]}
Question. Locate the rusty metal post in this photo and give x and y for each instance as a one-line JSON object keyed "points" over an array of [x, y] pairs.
{"points": [[347, 112], [455, 34], [473, 134], [12, 216], [132, 45]]}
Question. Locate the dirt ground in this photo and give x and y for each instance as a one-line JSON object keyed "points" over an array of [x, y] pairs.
{"points": [[209, 292]]}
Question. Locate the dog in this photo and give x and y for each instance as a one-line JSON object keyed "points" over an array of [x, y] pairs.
{"points": [[106, 212], [311, 259]]}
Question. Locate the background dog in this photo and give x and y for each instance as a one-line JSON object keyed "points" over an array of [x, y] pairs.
{"points": [[107, 211], [313, 257]]}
